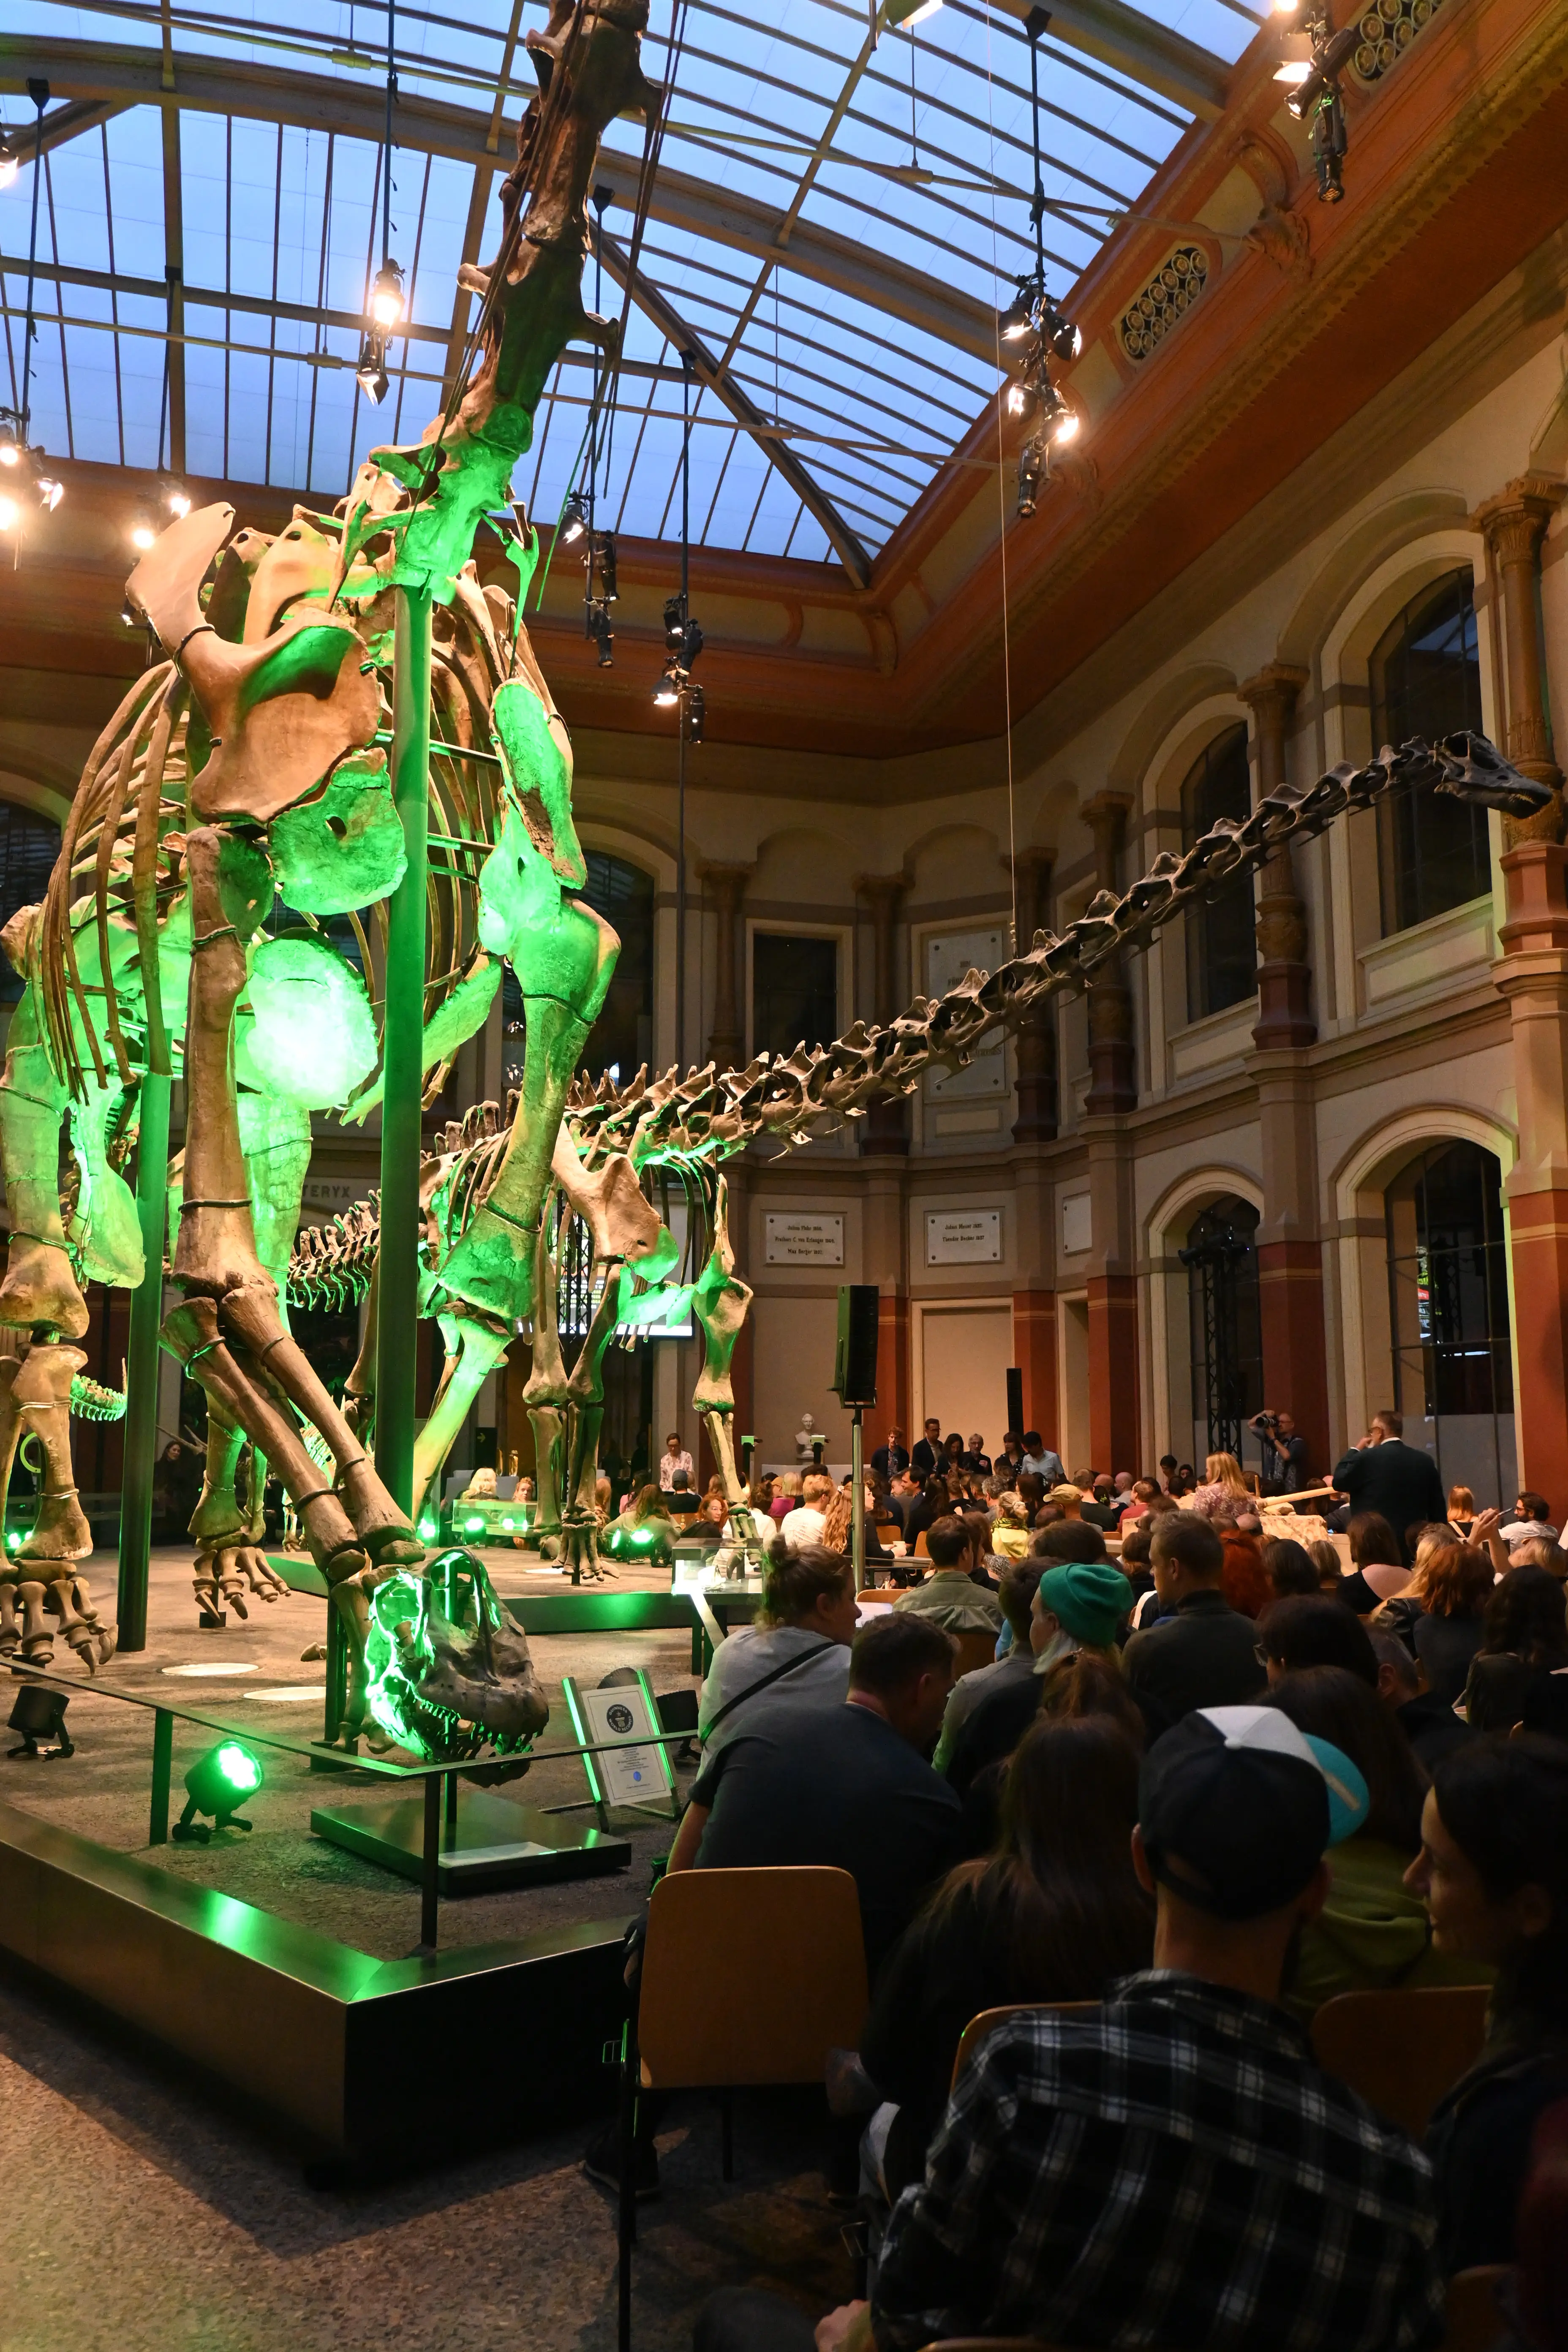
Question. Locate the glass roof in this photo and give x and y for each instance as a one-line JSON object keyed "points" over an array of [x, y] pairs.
{"points": [[840, 210]]}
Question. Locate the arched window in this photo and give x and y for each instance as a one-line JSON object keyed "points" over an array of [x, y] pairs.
{"points": [[1447, 1279], [1221, 1259], [1222, 952], [1425, 679], [621, 1039], [29, 846]]}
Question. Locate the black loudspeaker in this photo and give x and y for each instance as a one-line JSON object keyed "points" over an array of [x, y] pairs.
{"points": [[1014, 1400], [855, 1357]]}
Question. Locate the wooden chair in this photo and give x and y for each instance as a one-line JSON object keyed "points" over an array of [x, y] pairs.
{"points": [[1401, 2050], [975, 2032], [1474, 2322], [978, 1649], [922, 1550], [713, 1933]]}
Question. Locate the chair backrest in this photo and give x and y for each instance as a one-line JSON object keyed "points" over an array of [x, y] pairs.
{"points": [[1473, 2320], [975, 2032], [922, 1551], [750, 1976], [978, 1649], [1401, 2050], [994, 2344]]}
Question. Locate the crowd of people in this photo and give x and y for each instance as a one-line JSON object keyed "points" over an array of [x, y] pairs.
{"points": [[1205, 1778]]}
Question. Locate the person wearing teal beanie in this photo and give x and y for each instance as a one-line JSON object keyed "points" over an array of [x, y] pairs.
{"points": [[1084, 1601]]}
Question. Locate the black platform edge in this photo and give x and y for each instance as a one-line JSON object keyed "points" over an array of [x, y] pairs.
{"points": [[573, 1611], [369, 2062]]}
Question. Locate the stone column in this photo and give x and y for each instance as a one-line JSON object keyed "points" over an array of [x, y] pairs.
{"points": [[1115, 1433], [1532, 974], [1114, 1086], [727, 1038], [1036, 1044], [1284, 975], [1514, 523], [886, 1127]]}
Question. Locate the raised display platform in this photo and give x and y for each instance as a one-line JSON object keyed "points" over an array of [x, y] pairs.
{"points": [[367, 2062], [493, 1843]]}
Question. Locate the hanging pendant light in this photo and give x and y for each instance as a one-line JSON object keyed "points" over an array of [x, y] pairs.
{"points": [[24, 468], [1034, 329]]}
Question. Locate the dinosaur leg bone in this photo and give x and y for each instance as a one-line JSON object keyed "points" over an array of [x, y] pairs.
{"points": [[230, 1564], [474, 1348]]}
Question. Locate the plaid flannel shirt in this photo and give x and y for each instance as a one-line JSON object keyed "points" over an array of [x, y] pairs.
{"points": [[1172, 2169]]}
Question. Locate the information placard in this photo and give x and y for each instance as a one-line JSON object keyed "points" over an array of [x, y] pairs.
{"points": [[620, 1775], [964, 1236], [802, 1237]]}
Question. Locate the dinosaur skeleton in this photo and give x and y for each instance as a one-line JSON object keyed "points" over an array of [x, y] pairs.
{"points": [[692, 1123]]}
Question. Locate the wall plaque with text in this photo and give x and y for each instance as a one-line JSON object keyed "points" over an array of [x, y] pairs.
{"points": [[964, 1236], [798, 1237]]}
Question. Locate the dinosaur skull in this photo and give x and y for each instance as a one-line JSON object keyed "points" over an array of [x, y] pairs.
{"points": [[448, 1665]]}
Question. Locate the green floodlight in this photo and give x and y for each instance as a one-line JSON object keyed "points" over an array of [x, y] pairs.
{"points": [[471, 1526], [218, 1783], [427, 1531]]}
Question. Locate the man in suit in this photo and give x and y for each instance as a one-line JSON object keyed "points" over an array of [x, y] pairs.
{"points": [[927, 1455], [1397, 1481]]}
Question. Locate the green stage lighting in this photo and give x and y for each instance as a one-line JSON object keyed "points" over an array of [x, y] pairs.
{"points": [[218, 1783]]}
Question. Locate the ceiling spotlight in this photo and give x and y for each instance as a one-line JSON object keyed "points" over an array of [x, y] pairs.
{"points": [[10, 514], [370, 372], [1286, 7], [1018, 318], [385, 307], [218, 1783], [130, 618], [574, 518], [10, 452], [905, 15], [50, 490], [1017, 400], [1293, 70], [143, 531], [177, 501], [10, 162], [1065, 339], [696, 713], [1067, 426], [596, 627], [667, 693], [1031, 471]]}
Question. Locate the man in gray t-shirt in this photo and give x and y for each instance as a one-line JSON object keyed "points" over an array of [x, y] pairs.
{"points": [[798, 1646]]}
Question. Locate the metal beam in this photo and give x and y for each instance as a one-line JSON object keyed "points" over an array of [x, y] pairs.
{"points": [[66, 123], [174, 281], [670, 324], [129, 76], [1136, 46]]}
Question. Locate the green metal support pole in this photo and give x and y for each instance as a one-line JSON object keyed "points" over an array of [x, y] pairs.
{"points": [[858, 1499], [397, 1329], [163, 1774], [142, 1367]]}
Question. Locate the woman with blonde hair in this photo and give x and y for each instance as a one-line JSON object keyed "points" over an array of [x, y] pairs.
{"points": [[1224, 1486], [836, 1527]]}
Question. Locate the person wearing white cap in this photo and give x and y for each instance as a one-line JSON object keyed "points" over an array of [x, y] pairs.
{"points": [[1174, 2167]]}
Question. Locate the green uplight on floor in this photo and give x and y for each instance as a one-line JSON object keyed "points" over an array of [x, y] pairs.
{"points": [[218, 1783]]}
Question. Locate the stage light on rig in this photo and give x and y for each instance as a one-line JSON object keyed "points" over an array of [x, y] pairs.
{"points": [[10, 446], [903, 16], [10, 514], [574, 518], [177, 500], [386, 305], [369, 374], [667, 693], [1031, 473], [10, 162], [218, 1783], [143, 530]]}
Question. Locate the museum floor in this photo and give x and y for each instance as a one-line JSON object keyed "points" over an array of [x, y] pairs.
{"points": [[144, 2211]]}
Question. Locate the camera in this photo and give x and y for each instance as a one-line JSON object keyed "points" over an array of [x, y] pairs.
{"points": [[1266, 1420]]}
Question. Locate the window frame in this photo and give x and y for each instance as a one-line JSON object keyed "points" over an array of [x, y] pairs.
{"points": [[1196, 922]]}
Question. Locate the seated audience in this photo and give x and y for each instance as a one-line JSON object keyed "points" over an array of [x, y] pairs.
{"points": [[952, 1595], [1524, 1635], [643, 1530], [1078, 1606], [1461, 1511], [934, 1503], [1290, 1568], [1312, 1630], [787, 1493], [1030, 1489], [1010, 1529], [1326, 1559], [1372, 1932], [1010, 1461], [680, 1497], [1243, 1579], [1067, 1539], [1053, 1914], [1102, 1508], [1540, 2278], [1184, 1481], [1378, 1569], [1493, 1869], [711, 1519], [801, 1782], [804, 1523], [1452, 1585], [1173, 2168], [1224, 1488], [797, 1644], [1541, 1554], [1529, 1521], [836, 1528], [1015, 1664], [1204, 1653], [1133, 1558], [903, 1493], [1136, 1501], [1429, 1724], [1068, 1500]]}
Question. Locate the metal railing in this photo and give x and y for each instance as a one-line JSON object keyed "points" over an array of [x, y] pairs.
{"points": [[325, 1757]]}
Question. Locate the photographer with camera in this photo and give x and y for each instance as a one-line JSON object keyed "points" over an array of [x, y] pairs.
{"points": [[1286, 1469]]}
